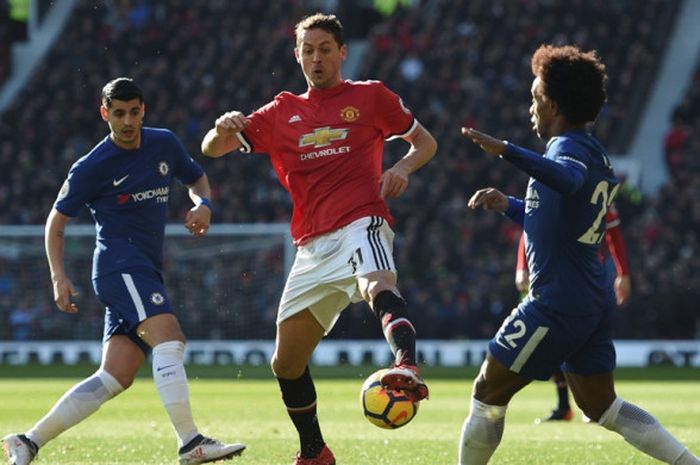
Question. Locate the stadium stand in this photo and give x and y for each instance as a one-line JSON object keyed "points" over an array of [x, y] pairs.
{"points": [[663, 232], [454, 63], [5, 42]]}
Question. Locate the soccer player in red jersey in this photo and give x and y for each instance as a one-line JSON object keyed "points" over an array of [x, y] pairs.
{"points": [[326, 147], [622, 286]]}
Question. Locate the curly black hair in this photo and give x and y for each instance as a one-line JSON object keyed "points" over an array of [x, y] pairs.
{"points": [[574, 80]]}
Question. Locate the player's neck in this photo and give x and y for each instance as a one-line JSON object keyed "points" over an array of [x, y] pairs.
{"points": [[327, 86], [127, 145], [561, 126]]}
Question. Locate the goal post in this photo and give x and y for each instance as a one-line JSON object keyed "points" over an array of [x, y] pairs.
{"points": [[223, 285]]}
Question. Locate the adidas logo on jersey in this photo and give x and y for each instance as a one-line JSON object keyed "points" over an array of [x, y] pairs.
{"points": [[294, 119]]}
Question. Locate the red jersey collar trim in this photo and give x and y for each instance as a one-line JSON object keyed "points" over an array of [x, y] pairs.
{"points": [[314, 93]]}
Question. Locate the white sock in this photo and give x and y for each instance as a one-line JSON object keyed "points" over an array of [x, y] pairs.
{"points": [[643, 431], [81, 401], [171, 382], [481, 433]]}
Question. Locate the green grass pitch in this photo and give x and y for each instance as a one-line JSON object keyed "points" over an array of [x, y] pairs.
{"points": [[245, 406]]}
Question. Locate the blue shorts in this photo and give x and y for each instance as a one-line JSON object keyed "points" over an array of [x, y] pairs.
{"points": [[129, 298], [535, 343]]}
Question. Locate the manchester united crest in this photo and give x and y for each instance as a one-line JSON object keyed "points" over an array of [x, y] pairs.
{"points": [[349, 114]]}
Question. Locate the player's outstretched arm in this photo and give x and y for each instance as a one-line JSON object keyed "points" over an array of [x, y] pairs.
{"points": [[488, 144], [222, 138], [198, 219], [618, 252], [522, 274], [63, 289], [394, 181]]}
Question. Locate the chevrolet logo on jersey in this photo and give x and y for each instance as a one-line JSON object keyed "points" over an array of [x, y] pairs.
{"points": [[322, 137]]}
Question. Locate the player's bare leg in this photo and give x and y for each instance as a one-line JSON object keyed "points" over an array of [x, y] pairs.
{"points": [[595, 395], [121, 359], [297, 337], [379, 289]]}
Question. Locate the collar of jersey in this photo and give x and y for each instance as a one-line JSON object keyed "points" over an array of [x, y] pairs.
{"points": [[327, 93]]}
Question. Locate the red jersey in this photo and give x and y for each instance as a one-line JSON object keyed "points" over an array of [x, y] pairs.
{"points": [[326, 146]]}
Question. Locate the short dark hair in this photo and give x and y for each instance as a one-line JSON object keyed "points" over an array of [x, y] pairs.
{"points": [[121, 88], [574, 80], [329, 23]]}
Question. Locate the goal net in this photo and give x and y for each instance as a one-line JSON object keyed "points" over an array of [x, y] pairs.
{"points": [[224, 285]]}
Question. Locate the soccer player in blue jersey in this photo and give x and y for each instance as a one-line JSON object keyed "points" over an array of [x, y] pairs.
{"points": [[566, 318], [125, 181]]}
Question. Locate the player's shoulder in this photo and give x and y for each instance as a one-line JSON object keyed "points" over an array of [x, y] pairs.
{"points": [[283, 99], [157, 133], [286, 96], [577, 143], [96, 155], [367, 83]]}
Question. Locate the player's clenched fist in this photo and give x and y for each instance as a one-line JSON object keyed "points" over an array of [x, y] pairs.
{"points": [[393, 183], [489, 199], [231, 122]]}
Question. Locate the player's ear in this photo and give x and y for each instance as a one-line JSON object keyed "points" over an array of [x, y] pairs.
{"points": [[104, 112], [554, 107], [297, 51], [343, 52]]}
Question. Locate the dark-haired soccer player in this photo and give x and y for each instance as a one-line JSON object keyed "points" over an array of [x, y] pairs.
{"points": [[125, 182], [566, 319], [326, 147]]}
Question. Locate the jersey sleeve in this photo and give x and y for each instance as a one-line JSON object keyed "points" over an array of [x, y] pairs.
{"points": [[187, 169], [521, 261], [515, 210], [563, 171], [256, 138], [391, 116], [616, 243], [77, 190]]}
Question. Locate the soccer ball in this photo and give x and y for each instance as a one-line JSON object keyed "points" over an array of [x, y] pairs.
{"points": [[385, 408]]}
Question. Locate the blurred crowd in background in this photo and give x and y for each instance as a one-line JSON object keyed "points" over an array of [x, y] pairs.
{"points": [[454, 63]]}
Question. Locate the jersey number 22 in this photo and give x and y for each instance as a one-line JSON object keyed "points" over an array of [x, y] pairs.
{"points": [[603, 196]]}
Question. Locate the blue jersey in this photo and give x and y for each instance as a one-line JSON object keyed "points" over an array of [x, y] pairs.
{"points": [[563, 215], [127, 193]]}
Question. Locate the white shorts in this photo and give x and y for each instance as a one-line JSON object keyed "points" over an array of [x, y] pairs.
{"points": [[325, 271]]}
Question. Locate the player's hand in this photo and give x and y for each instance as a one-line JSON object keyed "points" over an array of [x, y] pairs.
{"points": [[489, 199], [623, 289], [63, 292], [487, 143], [231, 122], [393, 182], [198, 219]]}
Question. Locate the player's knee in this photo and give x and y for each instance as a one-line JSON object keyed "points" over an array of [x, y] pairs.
{"points": [[125, 380], [286, 368], [112, 383], [594, 406], [592, 413], [373, 284], [488, 393], [480, 389]]}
